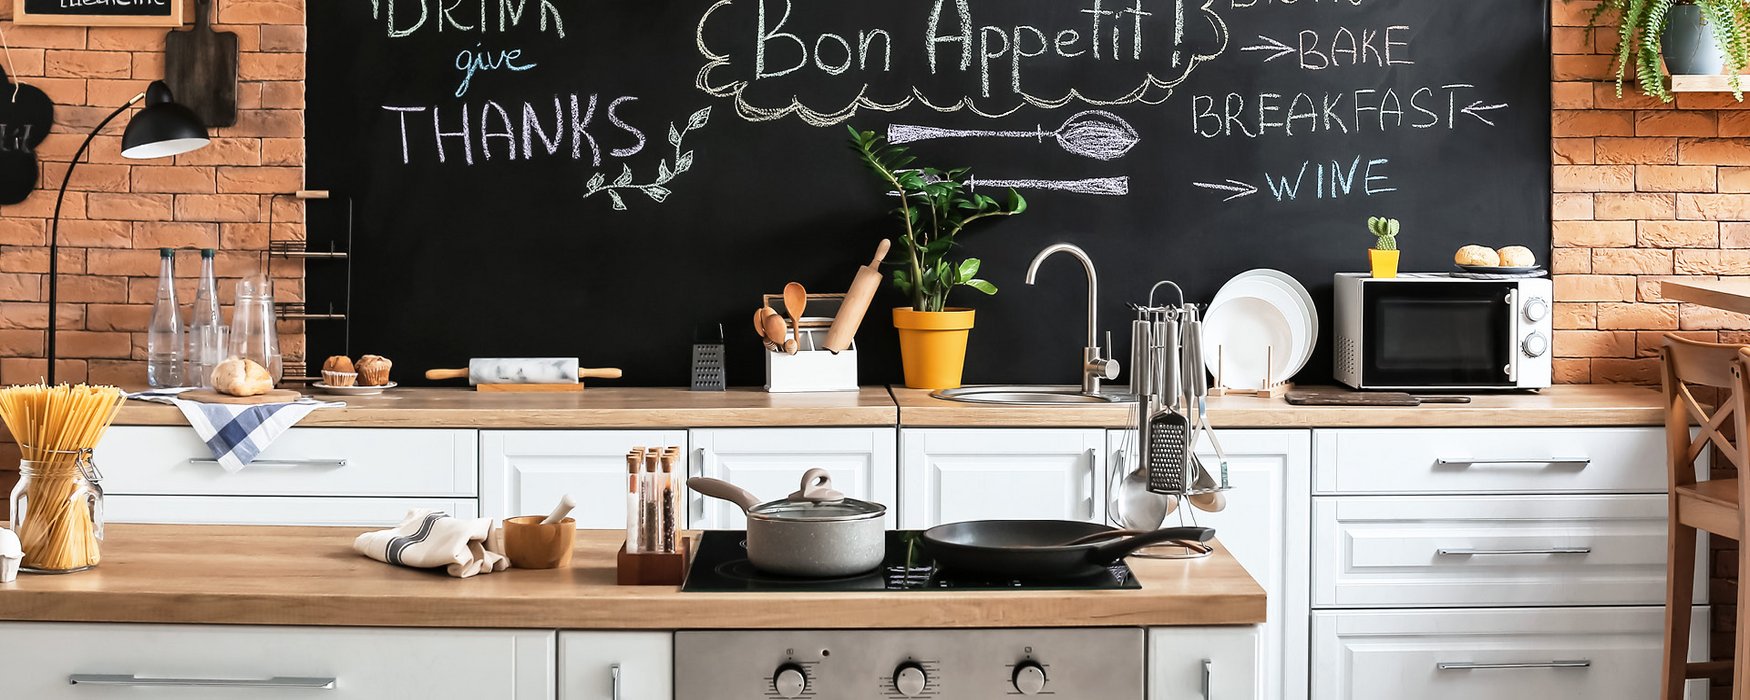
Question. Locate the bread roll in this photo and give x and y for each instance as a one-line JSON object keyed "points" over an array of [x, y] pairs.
{"points": [[241, 377], [1477, 256], [1516, 256]]}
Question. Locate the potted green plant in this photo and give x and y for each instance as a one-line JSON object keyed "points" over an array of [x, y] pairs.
{"points": [[1383, 256], [934, 207], [1693, 37]]}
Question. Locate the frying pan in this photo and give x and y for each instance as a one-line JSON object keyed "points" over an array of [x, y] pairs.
{"points": [[1037, 548]]}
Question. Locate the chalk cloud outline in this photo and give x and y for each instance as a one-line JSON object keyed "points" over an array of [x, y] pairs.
{"points": [[814, 117]]}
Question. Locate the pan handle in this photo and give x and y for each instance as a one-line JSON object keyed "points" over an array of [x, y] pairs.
{"points": [[718, 488], [1117, 550]]}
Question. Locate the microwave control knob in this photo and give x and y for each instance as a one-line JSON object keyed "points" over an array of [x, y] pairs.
{"points": [[1535, 345], [789, 681], [1029, 678], [910, 679], [1536, 309]]}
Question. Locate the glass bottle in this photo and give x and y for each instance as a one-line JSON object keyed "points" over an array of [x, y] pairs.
{"points": [[253, 334], [206, 329], [164, 345], [57, 512]]}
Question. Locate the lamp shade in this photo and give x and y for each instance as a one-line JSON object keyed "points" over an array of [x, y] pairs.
{"points": [[162, 128]]}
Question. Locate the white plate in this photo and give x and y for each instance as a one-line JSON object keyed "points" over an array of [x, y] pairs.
{"points": [[1299, 290], [1303, 314], [353, 390], [1241, 335]]}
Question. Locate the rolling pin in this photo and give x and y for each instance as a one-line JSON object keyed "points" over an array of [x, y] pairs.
{"points": [[862, 292], [524, 374]]}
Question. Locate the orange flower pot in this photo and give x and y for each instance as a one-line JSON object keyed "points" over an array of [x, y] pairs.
{"points": [[932, 346]]}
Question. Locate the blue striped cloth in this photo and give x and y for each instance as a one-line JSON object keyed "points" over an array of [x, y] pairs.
{"points": [[237, 433]]}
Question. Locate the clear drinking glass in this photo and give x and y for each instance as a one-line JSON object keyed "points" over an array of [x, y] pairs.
{"points": [[253, 335], [57, 512]]}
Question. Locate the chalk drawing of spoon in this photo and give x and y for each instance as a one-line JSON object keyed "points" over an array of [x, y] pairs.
{"points": [[1096, 134], [1105, 186]]}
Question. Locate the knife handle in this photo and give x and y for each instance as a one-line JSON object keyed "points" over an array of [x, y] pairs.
{"points": [[436, 374], [589, 373]]}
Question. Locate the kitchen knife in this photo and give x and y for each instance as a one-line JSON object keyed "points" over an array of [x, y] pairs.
{"points": [[856, 303], [531, 370]]}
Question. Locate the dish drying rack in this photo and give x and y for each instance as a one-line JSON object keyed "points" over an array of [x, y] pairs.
{"points": [[1167, 376]]}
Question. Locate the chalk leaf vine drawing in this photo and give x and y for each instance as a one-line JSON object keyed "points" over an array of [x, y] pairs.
{"points": [[655, 189]]}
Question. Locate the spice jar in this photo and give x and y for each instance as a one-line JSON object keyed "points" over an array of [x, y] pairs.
{"points": [[57, 512]]}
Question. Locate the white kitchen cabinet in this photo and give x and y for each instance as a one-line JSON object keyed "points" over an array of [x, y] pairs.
{"points": [[1579, 653], [52, 661], [952, 474], [770, 462], [1490, 460], [1207, 663], [1265, 527], [276, 510], [327, 462], [616, 665], [524, 472]]}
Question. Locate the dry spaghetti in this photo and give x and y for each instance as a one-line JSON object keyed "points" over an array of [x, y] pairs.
{"points": [[55, 428]]}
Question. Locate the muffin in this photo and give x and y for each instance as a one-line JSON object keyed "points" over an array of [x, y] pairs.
{"points": [[333, 378], [373, 370], [1477, 256], [1516, 256], [338, 363]]}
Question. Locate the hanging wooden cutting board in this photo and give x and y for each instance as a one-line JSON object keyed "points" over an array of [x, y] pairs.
{"points": [[200, 65]]}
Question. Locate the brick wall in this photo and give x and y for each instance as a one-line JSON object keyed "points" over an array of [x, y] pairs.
{"points": [[119, 212]]}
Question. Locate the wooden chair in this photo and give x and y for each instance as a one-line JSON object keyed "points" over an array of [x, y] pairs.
{"points": [[1713, 505]]}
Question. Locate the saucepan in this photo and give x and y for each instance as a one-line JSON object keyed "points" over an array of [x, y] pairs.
{"points": [[815, 533], [1042, 549]]}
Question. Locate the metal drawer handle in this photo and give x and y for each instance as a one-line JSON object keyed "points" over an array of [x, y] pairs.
{"points": [[1469, 666], [280, 682], [282, 462], [1467, 552], [1206, 664], [1473, 461], [614, 671]]}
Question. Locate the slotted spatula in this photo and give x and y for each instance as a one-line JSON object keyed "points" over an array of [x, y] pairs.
{"points": [[200, 66]]}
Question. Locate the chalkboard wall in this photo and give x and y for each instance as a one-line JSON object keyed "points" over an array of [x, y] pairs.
{"points": [[520, 191]]}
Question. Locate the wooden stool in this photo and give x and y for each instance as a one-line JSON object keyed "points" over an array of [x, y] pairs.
{"points": [[1712, 506]]}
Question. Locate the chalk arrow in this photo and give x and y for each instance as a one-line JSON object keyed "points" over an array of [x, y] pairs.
{"points": [[1104, 186], [1239, 189], [1478, 106], [1270, 44]]}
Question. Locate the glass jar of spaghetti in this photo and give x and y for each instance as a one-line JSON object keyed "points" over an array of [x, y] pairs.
{"points": [[57, 511]]}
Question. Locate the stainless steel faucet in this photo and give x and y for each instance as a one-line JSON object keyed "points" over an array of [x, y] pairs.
{"points": [[1095, 366]]}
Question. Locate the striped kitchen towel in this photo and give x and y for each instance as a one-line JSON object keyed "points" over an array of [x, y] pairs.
{"points": [[237, 433], [428, 539]]}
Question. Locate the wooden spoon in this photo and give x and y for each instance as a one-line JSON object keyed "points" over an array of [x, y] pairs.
{"points": [[775, 330], [759, 326], [795, 302]]}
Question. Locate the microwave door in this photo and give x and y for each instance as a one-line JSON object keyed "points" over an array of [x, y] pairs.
{"points": [[1434, 335]]}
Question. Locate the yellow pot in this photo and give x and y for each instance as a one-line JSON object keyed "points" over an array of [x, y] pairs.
{"points": [[932, 346], [1384, 262]]}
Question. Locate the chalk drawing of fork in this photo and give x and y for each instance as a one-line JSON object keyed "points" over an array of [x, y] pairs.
{"points": [[1096, 134]]}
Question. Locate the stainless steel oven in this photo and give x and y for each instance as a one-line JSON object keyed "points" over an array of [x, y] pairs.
{"points": [[1439, 332]]}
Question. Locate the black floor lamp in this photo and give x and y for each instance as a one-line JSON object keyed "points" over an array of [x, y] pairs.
{"points": [[162, 129]]}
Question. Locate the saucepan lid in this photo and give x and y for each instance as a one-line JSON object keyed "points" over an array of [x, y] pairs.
{"points": [[815, 501]]}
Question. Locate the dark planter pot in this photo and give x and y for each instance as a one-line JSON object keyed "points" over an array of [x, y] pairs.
{"points": [[1689, 44]]}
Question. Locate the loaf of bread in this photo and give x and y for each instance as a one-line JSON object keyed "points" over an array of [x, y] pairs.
{"points": [[1516, 256], [1477, 256], [240, 376]]}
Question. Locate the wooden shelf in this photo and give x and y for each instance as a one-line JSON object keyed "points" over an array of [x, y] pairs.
{"points": [[1704, 83]]}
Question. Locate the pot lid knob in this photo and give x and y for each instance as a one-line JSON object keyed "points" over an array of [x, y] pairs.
{"points": [[817, 488]]}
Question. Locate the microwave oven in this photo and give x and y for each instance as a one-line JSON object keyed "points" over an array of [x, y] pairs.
{"points": [[1435, 332]]}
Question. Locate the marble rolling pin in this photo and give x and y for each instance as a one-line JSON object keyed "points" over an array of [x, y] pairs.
{"points": [[524, 374], [862, 292]]}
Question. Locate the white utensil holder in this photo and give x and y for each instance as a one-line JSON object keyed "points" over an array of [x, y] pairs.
{"points": [[811, 368]]}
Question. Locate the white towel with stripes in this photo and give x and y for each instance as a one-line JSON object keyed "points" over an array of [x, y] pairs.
{"points": [[235, 433], [428, 539]]}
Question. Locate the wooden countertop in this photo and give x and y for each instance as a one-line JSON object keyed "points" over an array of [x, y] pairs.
{"points": [[1560, 406], [596, 407], [1731, 294], [311, 576]]}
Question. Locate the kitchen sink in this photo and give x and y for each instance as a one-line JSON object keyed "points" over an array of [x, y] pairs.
{"points": [[1028, 395]]}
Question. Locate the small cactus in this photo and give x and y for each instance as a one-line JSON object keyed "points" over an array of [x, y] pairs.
{"points": [[1385, 231]]}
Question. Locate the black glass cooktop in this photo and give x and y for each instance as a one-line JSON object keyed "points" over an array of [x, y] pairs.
{"points": [[721, 566]]}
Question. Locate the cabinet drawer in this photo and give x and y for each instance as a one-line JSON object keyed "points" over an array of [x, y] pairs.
{"points": [[182, 661], [276, 510], [302, 462], [1489, 550], [1590, 653], [1510, 460], [616, 665]]}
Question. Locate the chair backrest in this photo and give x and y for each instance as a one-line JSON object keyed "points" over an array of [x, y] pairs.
{"points": [[1719, 366]]}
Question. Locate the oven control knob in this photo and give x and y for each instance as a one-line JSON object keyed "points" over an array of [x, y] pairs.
{"points": [[789, 681], [1536, 309], [910, 679], [1535, 345], [1029, 678]]}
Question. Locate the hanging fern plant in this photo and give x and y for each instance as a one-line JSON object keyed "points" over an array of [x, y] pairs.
{"points": [[1641, 30]]}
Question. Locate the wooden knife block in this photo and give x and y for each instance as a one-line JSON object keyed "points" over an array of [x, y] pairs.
{"points": [[654, 569]]}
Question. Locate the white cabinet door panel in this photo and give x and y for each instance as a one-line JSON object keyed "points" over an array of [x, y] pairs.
{"points": [[616, 665], [1206, 663], [770, 462], [276, 510], [524, 472], [172, 461], [1490, 460], [950, 475]]}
